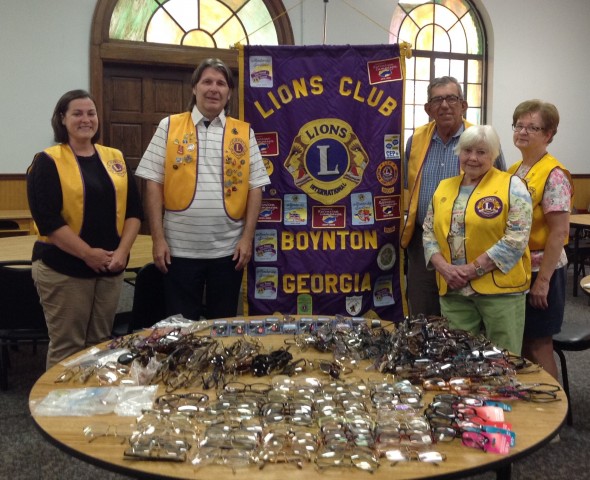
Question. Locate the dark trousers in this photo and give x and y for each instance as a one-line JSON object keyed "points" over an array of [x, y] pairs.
{"points": [[422, 291], [188, 278]]}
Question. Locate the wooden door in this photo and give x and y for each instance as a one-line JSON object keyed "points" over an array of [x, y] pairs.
{"points": [[135, 99]]}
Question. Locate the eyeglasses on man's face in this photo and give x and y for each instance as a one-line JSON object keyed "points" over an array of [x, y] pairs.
{"points": [[529, 128], [451, 100]]}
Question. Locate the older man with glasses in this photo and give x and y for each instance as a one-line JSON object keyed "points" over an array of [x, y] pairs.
{"points": [[430, 158]]}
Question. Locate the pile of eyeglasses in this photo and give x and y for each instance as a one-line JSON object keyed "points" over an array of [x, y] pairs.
{"points": [[317, 410], [417, 349], [292, 420]]}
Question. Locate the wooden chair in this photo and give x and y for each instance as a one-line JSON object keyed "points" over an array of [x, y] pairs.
{"points": [[21, 316]]}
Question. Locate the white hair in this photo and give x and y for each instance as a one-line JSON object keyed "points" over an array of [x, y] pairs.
{"points": [[478, 134]]}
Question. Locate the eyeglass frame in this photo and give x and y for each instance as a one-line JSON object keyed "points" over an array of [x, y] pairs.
{"points": [[530, 129], [451, 100]]}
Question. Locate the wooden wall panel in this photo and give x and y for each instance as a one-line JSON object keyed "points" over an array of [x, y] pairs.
{"points": [[13, 192]]}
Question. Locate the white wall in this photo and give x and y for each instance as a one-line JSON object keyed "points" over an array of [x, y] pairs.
{"points": [[541, 51], [45, 52]]}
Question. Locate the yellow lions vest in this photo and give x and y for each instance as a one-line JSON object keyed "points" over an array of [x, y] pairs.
{"points": [[486, 214], [535, 179], [180, 171], [420, 145], [72, 184]]}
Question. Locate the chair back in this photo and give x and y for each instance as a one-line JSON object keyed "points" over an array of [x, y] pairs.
{"points": [[10, 228], [20, 308], [149, 304]]}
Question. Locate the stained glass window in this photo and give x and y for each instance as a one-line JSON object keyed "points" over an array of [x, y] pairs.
{"points": [[196, 23], [447, 38]]}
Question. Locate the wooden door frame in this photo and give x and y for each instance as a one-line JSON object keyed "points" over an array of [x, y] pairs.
{"points": [[105, 50]]}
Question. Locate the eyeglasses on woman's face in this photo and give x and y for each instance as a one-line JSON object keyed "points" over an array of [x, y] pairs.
{"points": [[530, 129]]}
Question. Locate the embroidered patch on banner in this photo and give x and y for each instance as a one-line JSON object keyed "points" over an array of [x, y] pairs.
{"points": [[489, 207]]}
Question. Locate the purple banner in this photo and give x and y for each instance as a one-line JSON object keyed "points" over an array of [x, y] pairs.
{"points": [[328, 120]]}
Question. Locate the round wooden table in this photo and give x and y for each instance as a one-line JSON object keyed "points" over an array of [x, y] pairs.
{"points": [[534, 423], [585, 284]]}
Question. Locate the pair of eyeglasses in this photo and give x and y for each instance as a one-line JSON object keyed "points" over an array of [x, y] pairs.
{"points": [[98, 430], [158, 448], [536, 392], [189, 402], [154, 423], [241, 387], [444, 433], [223, 436], [414, 423], [297, 458], [414, 431], [232, 458], [80, 373], [331, 368], [396, 456], [291, 412], [360, 457], [456, 384], [451, 100], [385, 399], [529, 128], [280, 436]]}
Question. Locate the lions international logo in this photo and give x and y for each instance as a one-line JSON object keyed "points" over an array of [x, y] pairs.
{"points": [[489, 207], [327, 160], [237, 147], [117, 167], [387, 173]]}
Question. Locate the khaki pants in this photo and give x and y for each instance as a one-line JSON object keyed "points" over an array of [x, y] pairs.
{"points": [[79, 311]]}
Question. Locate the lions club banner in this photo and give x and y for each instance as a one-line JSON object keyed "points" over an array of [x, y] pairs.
{"points": [[328, 120]]}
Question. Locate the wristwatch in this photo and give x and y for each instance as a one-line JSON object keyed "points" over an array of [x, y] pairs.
{"points": [[479, 271]]}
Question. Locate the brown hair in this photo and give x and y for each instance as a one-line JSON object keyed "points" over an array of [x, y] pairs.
{"points": [[548, 112], [216, 64], [60, 132]]}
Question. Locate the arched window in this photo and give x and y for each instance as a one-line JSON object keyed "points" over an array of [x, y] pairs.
{"points": [[179, 33], [196, 23], [448, 38]]}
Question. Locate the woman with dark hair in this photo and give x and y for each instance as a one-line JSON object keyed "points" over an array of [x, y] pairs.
{"points": [[535, 124], [87, 213]]}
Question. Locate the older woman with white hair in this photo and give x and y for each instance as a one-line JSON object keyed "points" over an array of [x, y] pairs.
{"points": [[476, 236]]}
